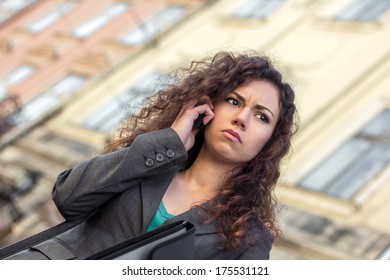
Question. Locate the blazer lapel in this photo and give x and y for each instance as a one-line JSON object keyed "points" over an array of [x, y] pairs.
{"points": [[152, 192]]}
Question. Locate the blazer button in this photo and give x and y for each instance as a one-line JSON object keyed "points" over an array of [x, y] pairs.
{"points": [[149, 162], [170, 153], [159, 157]]}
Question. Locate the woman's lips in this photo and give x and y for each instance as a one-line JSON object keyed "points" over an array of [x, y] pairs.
{"points": [[232, 135]]}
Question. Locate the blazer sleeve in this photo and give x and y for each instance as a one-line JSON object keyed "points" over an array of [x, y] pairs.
{"points": [[82, 189]]}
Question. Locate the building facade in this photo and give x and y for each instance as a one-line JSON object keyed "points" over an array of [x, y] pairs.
{"points": [[334, 185]]}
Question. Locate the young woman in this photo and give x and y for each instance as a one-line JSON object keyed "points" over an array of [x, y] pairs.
{"points": [[162, 168]]}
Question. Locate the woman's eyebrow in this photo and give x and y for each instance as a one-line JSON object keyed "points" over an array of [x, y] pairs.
{"points": [[257, 106], [240, 97], [261, 107]]}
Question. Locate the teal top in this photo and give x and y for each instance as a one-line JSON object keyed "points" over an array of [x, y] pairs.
{"points": [[161, 216]]}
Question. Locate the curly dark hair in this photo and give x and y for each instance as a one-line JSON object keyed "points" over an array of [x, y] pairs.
{"points": [[246, 198]]}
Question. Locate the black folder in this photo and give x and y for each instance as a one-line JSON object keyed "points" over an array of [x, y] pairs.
{"points": [[37, 238], [174, 241]]}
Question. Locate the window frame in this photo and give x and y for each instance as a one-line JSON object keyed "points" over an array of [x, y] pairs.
{"points": [[257, 9], [101, 20], [153, 27], [359, 11], [48, 99], [42, 22], [368, 156], [137, 93]]}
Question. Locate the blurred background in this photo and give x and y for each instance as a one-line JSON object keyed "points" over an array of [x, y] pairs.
{"points": [[70, 71]]}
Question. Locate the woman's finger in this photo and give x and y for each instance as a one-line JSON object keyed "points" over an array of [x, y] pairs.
{"points": [[184, 123], [206, 111]]}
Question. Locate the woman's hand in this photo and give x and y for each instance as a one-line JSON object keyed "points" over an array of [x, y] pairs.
{"points": [[184, 123]]}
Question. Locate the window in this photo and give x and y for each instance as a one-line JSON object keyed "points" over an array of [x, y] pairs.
{"points": [[15, 5], [8, 8], [51, 17], [154, 26], [49, 99], [71, 144], [17, 76], [109, 115], [355, 163], [257, 9], [67, 86], [364, 10], [3, 93], [87, 29]]}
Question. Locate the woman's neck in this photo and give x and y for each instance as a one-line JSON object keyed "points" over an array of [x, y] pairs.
{"points": [[205, 174], [195, 185]]}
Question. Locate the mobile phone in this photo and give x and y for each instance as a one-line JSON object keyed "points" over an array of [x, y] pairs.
{"points": [[198, 123]]}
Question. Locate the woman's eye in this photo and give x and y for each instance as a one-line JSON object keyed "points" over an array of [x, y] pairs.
{"points": [[263, 118], [232, 101]]}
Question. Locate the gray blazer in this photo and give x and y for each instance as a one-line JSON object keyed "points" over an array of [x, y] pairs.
{"points": [[125, 188]]}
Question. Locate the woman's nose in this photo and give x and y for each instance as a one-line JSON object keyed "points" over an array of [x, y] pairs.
{"points": [[241, 119]]}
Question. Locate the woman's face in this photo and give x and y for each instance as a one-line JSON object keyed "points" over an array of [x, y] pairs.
{"points": [[243, 122]]}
